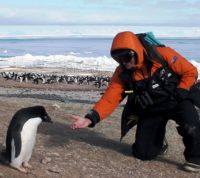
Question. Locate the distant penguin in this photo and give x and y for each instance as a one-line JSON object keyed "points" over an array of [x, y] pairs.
{"points": [[21, 135]]}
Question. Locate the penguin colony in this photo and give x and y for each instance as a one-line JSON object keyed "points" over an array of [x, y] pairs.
{"points": [[35, 78]]}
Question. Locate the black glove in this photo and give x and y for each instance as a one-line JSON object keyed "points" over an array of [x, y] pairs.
{"points": [[144, 100], [181, 94], [93, 116]]}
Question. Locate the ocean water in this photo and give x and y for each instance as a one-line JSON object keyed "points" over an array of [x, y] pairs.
{"points": [[84, 47], [78, 52]]}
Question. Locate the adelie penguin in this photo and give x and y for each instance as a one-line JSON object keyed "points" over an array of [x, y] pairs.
{"points": [[21, 136]]}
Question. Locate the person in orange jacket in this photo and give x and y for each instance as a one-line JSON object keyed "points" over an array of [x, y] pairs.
{"points": [[160, 93]]}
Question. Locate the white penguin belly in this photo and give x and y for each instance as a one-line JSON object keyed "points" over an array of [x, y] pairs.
{"points": [[28, 136]]}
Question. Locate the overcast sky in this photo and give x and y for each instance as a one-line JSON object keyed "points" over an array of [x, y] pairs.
{"points": [[118, 12]]}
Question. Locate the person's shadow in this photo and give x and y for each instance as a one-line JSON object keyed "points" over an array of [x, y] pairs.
{"points": [[3, 158], [62, 133]]}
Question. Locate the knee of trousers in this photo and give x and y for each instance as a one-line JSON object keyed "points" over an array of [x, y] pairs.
{"points": [[145, 153], [188, 130]]}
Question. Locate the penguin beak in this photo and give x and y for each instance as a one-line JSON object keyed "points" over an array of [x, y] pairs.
{"points": [[48, 119]]}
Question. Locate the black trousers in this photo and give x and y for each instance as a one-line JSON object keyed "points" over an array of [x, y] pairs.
{"points": [[151, 131]]}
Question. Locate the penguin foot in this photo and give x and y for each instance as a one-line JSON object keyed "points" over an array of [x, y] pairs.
{"points": [[19, 168], [26, 165], [22, 169]]}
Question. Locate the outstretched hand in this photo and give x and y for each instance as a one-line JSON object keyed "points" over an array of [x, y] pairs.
{"points": [[79, 122]]}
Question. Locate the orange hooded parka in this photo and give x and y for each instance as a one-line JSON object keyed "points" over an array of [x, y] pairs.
{"points": [[128, 40]]}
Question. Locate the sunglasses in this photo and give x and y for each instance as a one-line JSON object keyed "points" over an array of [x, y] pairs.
{"points": [[124, 56]]}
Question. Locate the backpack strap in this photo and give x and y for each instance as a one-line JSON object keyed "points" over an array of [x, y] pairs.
{"points": [[150, 45]]}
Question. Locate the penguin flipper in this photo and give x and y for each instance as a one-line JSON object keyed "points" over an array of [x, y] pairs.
{"points": [[17, 143]]}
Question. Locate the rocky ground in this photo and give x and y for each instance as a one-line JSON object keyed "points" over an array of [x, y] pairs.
{"points": [[92, 152]]}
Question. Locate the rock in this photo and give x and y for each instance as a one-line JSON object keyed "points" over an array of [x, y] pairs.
{"points": [[54, 169], [56, 106], [55, 154], [46, 160]]}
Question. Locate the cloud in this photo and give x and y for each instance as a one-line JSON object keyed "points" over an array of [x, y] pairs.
{"points": [[158, 12], [33, 16]]}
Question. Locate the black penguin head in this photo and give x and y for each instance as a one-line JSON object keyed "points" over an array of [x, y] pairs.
{"points": [[43, 114], [46, 118]]}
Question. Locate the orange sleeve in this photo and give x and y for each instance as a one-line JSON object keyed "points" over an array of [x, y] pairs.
{"points": [[112, 96], [181, 66]]}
